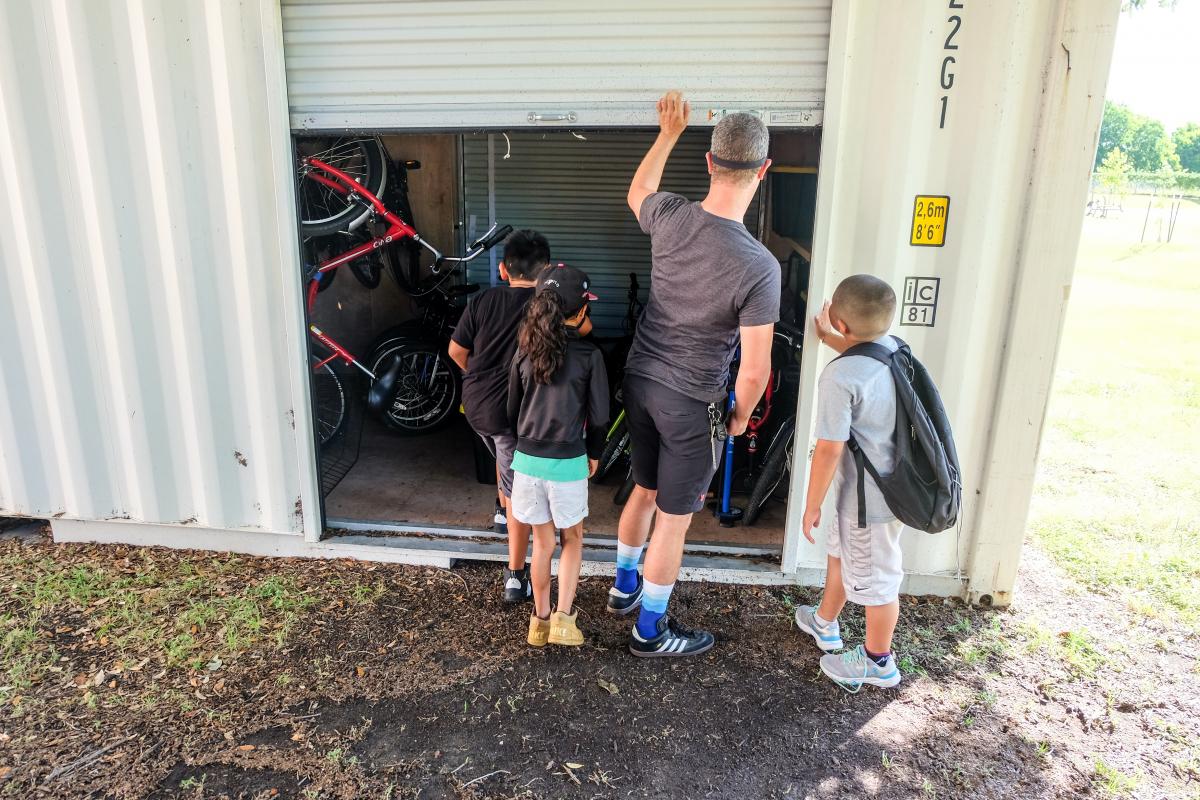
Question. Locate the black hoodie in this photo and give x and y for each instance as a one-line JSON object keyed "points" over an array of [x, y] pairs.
{"points": [[550, 420]]}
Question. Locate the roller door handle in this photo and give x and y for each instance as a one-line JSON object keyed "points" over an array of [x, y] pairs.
{"points": [[535, 117]]}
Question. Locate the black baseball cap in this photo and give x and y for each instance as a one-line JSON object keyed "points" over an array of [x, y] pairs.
{"points": [[568, 283]]}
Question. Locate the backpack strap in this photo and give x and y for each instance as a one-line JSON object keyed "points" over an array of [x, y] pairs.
{"points": [[870, 350], [860, 466]]}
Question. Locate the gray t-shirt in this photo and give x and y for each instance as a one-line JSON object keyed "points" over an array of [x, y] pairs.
{"points": [[709, 277], [857, 395]]}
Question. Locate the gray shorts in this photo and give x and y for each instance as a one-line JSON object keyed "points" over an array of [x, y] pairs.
{"points": [[870, 556], [536, 501], [502, 446]]}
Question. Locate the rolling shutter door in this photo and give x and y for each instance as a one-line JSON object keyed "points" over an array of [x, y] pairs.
{"points": [[573, 191], [393, 64]]}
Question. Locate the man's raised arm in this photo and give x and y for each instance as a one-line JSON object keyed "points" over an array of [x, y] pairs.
{"points": [[673, 113]]}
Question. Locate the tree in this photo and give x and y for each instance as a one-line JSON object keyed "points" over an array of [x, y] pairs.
{"points": [[1187, 146], [1148, 146], [1114, 172], [1114, 130]]}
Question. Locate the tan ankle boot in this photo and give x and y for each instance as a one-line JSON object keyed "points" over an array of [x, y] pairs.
{"points": [[539, 631], [563, 630]]}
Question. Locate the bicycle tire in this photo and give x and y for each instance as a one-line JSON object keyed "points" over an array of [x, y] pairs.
{"points": [[320, 212], [368, 270], [625, 489], [775, 465], [428, 391], [329, 402], [614, 448]]}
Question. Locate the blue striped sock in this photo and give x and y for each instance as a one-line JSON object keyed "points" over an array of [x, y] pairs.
{"points": [[627, 562], [654, 606]]}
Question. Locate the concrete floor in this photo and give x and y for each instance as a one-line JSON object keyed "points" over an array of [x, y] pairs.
{"points": [[431, 480]]}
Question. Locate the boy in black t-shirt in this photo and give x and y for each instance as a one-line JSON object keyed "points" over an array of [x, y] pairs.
{"points": [[483, 345]]}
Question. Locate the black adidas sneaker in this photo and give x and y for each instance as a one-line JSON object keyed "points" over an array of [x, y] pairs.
{"points": [[623, 603], [672, 640], [517, 587]]}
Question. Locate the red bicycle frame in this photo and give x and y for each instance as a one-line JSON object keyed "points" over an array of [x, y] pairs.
{"points": [[334, 179]]}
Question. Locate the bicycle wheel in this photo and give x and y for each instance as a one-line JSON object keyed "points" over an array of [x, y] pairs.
{"points": [[368, 270], [329, 402], [614, 448], [776, 464], [428, 388], [322, 210]]}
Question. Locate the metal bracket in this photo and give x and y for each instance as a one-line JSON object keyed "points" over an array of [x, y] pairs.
{"points": [[533, 117]]}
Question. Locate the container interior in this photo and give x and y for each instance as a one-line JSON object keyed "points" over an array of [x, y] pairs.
{"points": [[569, 185]]}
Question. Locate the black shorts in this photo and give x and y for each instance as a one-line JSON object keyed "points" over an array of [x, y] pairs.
{"points": [[671, 444]]}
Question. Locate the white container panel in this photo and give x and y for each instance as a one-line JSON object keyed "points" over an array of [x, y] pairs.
{"points": [[150, 268], [1014, 216]]}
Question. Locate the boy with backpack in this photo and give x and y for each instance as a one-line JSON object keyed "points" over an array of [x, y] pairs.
{"points": [[869, 401], [483, 345]]}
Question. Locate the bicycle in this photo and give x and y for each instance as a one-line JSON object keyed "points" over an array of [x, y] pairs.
{"points": [[777, 461], [616, 442], [333, 198]]}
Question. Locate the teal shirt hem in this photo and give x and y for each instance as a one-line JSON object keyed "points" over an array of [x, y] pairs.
{"points": [[551, 469]]}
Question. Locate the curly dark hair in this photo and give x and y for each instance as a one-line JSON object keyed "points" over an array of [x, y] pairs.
{"points": [[543, 337]]}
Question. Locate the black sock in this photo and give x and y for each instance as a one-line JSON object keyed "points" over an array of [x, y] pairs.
{"points": [[879, 658]]}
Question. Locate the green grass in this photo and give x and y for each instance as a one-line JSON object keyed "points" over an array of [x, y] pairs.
{"points": [[1118, 496], [1112, 782], [172, 613]]}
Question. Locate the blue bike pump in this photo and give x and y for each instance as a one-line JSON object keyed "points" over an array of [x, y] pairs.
{"points": [[727, 514]]}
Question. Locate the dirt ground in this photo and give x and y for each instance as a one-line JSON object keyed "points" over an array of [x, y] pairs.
{"points": [[305, 679]]}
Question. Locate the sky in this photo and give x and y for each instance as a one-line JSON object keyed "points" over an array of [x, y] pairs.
{"points": [[1156, 63]]}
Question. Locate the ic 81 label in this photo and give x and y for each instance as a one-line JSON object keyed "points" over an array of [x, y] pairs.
{"points": [[930, 213]]}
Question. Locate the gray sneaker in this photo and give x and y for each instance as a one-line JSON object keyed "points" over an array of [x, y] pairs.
{"points": [[853, 668], [828, 638]]}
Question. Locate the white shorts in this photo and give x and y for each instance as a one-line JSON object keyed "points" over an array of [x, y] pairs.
{"points": [[536, 501], [870, 556]]}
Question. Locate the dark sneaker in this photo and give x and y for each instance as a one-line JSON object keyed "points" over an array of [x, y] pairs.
{"points": [[500, 520], [517, 588], [623, 603], [672, 640]]}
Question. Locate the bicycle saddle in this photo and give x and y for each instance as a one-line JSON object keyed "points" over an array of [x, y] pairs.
{"points": [[462, 289]]}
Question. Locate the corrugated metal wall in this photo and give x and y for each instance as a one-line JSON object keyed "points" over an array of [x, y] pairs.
{"points": [[1014, 156], [573, 190], [489, 63], [144, 248]]}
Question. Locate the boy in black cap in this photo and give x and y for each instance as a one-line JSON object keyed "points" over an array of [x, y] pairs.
{"points": [[483, 345], [558, 408]]}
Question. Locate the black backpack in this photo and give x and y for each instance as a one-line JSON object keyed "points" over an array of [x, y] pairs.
{"points": [[924, 490]]}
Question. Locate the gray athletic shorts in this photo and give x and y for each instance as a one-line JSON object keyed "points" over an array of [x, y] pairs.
{"points": [[502, 446], [670, 443], [870, 556]]}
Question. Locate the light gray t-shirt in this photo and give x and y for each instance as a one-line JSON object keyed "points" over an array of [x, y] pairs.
{"points": [[857, 395], [709, 278]]}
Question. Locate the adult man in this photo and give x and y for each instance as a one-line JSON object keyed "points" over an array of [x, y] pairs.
{"points": [[710, 281]]}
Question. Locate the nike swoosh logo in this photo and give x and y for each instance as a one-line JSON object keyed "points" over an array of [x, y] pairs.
{"points": [[861, 588]]}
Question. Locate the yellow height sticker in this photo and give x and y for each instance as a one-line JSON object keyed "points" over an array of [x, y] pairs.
{"points": [[930, 213]]}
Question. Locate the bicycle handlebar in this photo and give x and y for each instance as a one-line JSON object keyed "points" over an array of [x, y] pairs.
{"points": [[493, 237]]}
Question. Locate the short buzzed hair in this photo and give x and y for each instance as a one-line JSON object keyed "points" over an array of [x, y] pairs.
{"points": [[739, 137], [526, 254], [866, 304]]}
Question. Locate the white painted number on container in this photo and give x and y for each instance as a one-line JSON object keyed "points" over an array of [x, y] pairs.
{"points": [[946, 75], [920, 301]]}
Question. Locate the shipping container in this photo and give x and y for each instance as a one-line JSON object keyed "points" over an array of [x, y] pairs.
{"points": [[159, 388]]}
